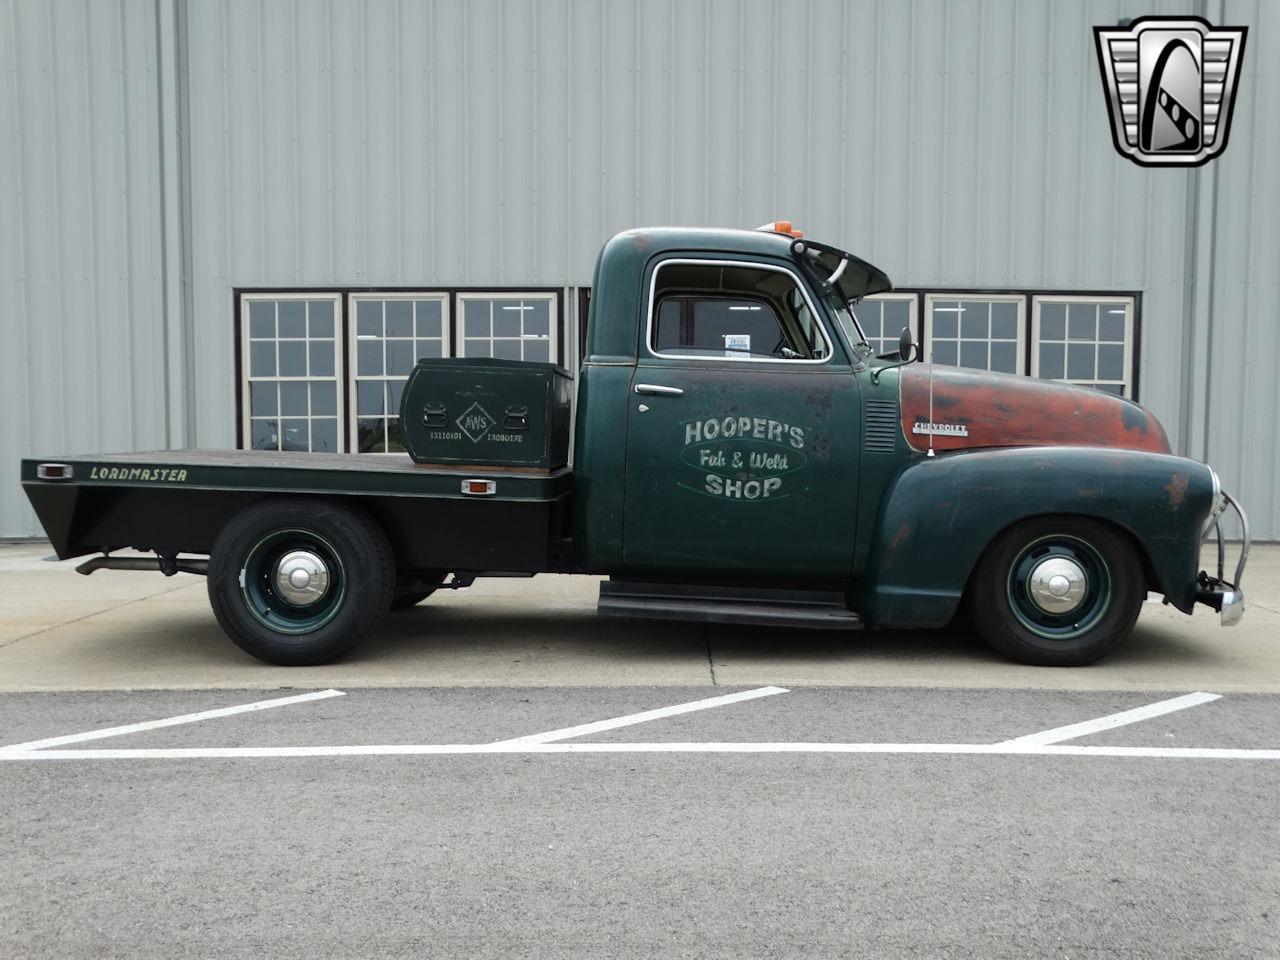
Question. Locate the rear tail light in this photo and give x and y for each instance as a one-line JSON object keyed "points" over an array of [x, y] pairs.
{"points": [[53, 471]]}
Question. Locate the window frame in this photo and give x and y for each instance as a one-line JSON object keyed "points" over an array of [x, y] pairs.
{"points": [[912, 300], [553, 300], [352, 324], [751, 265], [1020, 347], [1129, 301], [244, 369]]}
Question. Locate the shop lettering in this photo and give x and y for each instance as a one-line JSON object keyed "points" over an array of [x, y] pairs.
{"points": [[754, 428], [742, 489]]}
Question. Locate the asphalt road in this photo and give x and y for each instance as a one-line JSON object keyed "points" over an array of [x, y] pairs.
{"points": [[625, 854]]}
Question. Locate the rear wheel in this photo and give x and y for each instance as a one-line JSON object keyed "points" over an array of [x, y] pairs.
{"points": [[300, 582], [1057, 591]]}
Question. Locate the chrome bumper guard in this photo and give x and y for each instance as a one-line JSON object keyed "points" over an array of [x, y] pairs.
{"points": [[1225, 596]]}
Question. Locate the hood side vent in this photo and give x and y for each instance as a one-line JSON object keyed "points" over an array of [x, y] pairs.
{"points": [[882, 426]]}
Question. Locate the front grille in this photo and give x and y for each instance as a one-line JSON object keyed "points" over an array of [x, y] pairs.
{"points": [[882, 426]]}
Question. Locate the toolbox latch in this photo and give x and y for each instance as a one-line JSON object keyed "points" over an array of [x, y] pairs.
{"points": [[517, 417], [434, 415]]}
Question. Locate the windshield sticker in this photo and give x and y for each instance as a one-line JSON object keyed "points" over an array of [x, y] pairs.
{"points": [[742, 458]]}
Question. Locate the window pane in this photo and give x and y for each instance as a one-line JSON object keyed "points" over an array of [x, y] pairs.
{"points": [[320, 318], [293, 358], [369, 358], [428, 348], [395, 392], [945, 352], [946, 319], [324, 399], [293, 319], [368, 318], [321, 358], [506, 319], [1004, 321], [394, 443], [295, 435], [973, 321], [1053, 321], [1053, 361], [897, 314], [399, 318], [476, 318], [262, 400], [1004, 357], [477, 348], [369, 397], [400, 357], [262, 319], [262, 358], [1111, 361], [1080, 361], [1111, 323], [428, 318], [537, 317], [1112, 388], [1082, 321], [506, 349], [369, 435], [264, 435], [293, 398], [539, 350], [973, 354], [324, 435]]}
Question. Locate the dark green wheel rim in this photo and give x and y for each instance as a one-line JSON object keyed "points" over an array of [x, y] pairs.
{"points": [[1092, 606], [268, 605]]}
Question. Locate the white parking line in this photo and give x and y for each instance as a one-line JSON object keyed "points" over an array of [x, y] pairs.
{"points": [[1113, 720], [31, 745], [583, 729], [456, 749]]}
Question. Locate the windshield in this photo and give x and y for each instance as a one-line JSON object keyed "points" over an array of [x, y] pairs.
{"points": [[854, 279]]}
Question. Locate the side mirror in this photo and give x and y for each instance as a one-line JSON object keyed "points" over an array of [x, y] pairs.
{"points": [[906, 346]]}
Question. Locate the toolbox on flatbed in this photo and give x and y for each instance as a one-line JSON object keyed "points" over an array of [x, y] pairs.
{"points": [[487, 412]]}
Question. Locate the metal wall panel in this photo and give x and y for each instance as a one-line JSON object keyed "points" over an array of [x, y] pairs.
{"points": [[442, 142], [82, 362]]}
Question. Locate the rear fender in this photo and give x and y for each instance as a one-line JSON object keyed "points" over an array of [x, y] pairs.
{"points": [[939, 515]]}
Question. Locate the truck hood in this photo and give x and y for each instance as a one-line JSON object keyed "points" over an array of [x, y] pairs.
{"points": [[973, 409]]}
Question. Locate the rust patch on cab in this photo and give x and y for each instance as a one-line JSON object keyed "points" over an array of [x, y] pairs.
{"points": [[973, 409]]}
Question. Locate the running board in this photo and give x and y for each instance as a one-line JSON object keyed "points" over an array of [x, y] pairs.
{"points": [[809, 609]]}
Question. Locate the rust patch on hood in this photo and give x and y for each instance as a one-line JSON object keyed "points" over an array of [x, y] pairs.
{"points": [[973, 409]]}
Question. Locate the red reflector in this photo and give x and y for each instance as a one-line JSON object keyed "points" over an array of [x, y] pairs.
{"points": [[478, 488], [53, 471]]}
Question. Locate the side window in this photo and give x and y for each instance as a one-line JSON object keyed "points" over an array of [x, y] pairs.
{"points": [[710, 310]]}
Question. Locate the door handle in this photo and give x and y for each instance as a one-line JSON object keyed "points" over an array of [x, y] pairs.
{"points": [[654, 389]]}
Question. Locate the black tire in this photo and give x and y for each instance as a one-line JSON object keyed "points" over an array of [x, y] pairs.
{"points": [[1011, 587], [246, 593]]}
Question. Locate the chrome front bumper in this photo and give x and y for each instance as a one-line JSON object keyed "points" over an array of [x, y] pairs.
{"points": [[1225, 596]]}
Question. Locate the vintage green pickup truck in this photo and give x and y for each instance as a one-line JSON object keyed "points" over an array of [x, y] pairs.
{"points": [[738, 456]]}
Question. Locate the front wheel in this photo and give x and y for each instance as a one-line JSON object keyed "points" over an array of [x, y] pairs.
{"points": [[1057, 591], [300, 582]]}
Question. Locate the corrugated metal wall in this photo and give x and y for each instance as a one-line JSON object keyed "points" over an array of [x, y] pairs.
{"points": [[458, 143]]}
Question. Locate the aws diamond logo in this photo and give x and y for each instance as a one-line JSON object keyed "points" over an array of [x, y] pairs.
{"points": [[1171, 86], [475, 422]]}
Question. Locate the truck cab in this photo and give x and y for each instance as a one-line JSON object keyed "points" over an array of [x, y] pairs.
{"points": [[739, 455]]}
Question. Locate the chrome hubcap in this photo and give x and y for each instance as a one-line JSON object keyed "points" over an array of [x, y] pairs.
{"points": [[301, 577], [1057, 585]]}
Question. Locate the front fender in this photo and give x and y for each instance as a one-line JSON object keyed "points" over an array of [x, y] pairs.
{"points": [[939, 514]]}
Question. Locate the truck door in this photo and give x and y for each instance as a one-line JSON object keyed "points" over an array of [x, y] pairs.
{"points": [[742, 431]]}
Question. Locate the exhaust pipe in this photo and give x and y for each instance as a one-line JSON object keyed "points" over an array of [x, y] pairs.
{"points": [[166, 565]]}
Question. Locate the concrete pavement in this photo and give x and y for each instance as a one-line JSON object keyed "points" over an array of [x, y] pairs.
{"points": [[119, 630]]}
